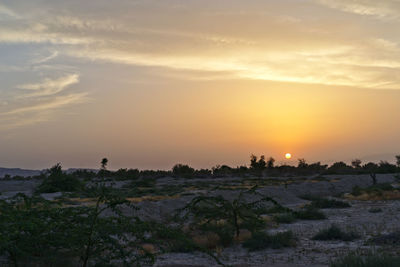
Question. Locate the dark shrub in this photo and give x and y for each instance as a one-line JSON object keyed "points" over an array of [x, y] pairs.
{"points": [[285, 218], [309, 213], [335, 233], [224, 217], [125, 174], [58, 181], [261, 240], [183, 171]]}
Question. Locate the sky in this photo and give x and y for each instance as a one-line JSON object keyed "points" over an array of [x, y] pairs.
{"points": [[151, 83]]}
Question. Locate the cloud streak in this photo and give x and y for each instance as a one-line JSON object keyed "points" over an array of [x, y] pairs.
{"points": [[264, 46], [388, 9], [50, 86]]}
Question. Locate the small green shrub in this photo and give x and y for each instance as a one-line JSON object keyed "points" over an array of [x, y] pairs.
{"points": [[309, 213], [371, 260], [261, 240], [335, 233], [285, 218]]}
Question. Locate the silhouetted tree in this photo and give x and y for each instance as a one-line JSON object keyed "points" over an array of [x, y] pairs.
{"points": [[222, 171], [58, 181], [257, 165], [370, 167], [302, 164], [270, 163], [104, 163], [386, 167], [340, 168], [184, 171], [398, 160], [356, 164]]}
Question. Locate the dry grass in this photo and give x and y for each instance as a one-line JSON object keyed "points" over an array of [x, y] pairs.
{"points": [[151, 198], [209, 240], [386, 195], [92, 201], [244, 235], [149, 248]]}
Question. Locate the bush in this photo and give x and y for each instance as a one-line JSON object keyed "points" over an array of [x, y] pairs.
{"points": [[285, 218], [309, 213], [125, 174], [59, 181], [261, 240], [224, 217], [371, 260], [335, 233], [36, 232], [183, 171]]}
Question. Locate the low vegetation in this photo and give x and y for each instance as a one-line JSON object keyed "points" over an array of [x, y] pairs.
{"points": [[262, 240], [370, 260], [96, 224], [309, 213], [335, 233], [390, 239], [288, 217], [223, 217], [58, 181]]}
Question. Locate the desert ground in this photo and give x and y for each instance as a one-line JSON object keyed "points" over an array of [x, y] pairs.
{"points": [[373, 216]]}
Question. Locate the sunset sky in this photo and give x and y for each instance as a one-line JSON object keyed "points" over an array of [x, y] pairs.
{"points": [[151, 83]]}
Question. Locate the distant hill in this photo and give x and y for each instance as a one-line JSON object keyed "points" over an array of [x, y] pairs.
{"points": [[25, 173], [19, 172]]}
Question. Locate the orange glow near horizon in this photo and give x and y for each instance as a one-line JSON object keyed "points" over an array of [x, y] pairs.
{"points": [[197, 82]]}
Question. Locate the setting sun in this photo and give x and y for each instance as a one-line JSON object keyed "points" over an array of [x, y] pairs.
{"points": [[288, 156]]}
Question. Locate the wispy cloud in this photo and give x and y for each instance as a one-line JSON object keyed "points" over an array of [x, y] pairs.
{"points": [[265, 46], [50, 86], [30, 113], [387, 9], [54, 103], [45, 59], [5, 11]]}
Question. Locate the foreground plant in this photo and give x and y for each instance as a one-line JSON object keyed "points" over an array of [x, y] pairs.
{"points": [[226, 218], [36, 232]]}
